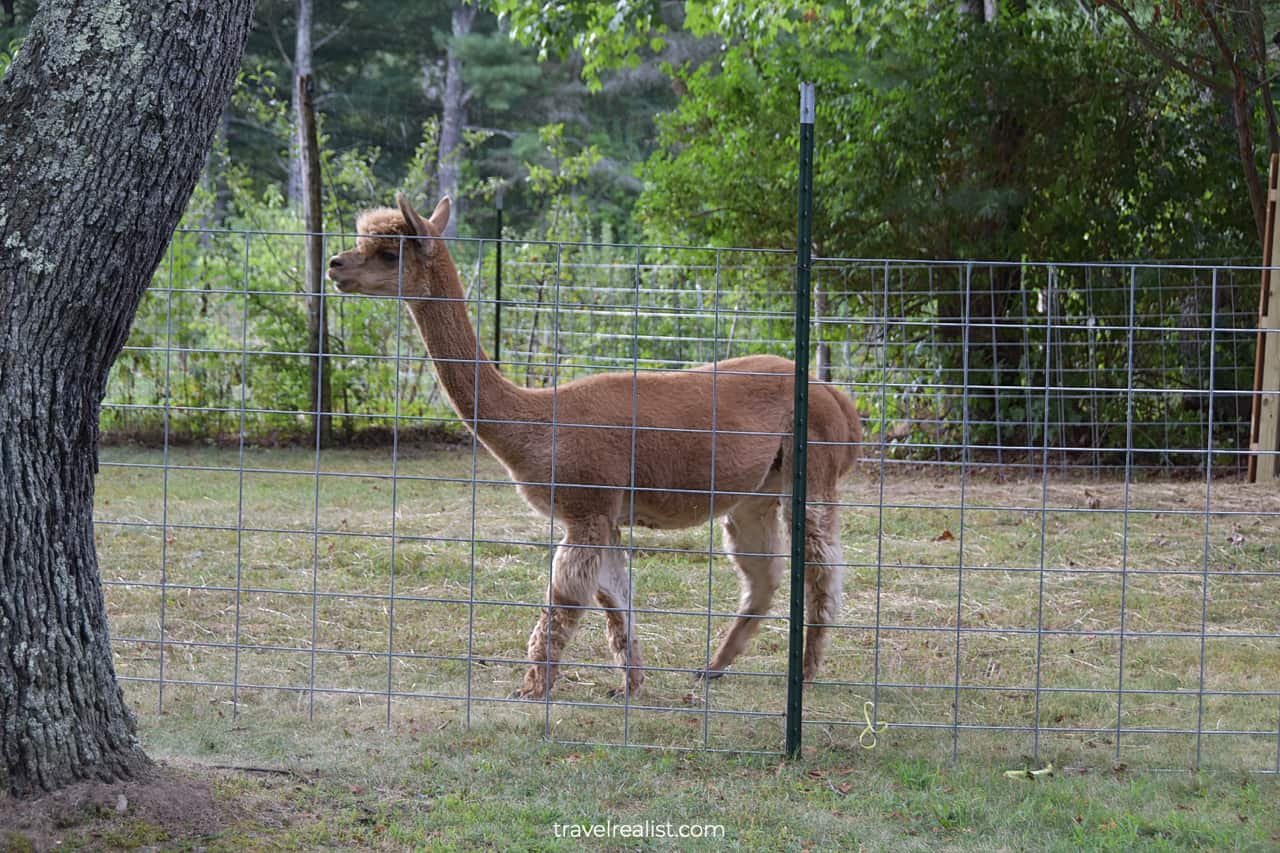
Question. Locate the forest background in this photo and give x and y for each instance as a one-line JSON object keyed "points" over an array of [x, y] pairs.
{"points": [[997, 131]]}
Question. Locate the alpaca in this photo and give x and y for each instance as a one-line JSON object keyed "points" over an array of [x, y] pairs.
{"points": [[662, 450]]}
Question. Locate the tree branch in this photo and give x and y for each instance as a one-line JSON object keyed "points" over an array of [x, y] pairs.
{"points": [[1163, 52], [1221, 42], [506, 134], [285, 55], [337, 31], [1258, 44]]}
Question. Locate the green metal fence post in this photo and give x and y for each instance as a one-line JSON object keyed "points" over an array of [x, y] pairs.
{"points": [[800, 436], [497, 288]]}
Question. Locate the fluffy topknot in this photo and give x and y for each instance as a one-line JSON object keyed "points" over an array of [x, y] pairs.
{"points": [[383, 220]]}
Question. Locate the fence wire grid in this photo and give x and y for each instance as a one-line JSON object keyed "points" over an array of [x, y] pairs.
{"points": [[1050, 549]]}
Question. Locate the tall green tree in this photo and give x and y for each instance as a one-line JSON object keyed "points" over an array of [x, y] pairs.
{"points": [[973, 130], [447, 67], [1224, 48]]}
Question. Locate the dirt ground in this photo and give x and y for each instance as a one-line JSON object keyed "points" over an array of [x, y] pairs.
{"points": [[167, 806]]}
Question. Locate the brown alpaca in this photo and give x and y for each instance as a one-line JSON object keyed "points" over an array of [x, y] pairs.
{"points": [[664, 450]]}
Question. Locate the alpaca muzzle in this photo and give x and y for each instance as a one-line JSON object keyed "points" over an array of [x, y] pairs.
{"points": [[335, 273]]}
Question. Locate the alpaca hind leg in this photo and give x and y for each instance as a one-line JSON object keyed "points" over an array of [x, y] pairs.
{"points": [[753, 536], [824, 583], [573, 582], [615, 595]]}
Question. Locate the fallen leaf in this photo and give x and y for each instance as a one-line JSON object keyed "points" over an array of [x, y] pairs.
{"points": [[1033, 775], [945, 536]]}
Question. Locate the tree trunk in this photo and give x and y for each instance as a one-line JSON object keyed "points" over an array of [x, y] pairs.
{"points": [[1242, 116], [302, 54], [213, 180], [105, 120], [313, 221], [822, 364], [454, 111], [1259, 48]]}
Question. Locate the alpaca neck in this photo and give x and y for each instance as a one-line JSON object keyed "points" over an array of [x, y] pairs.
{"points": [[461, 363]]}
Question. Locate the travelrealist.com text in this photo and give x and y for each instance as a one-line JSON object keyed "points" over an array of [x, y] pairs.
{"points": [[644, 829]]}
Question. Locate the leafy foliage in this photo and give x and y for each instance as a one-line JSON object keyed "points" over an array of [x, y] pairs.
{"points": [[1051, 133], [1072, 146]]}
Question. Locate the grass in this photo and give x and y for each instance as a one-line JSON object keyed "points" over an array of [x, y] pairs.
{"points": [[414, 786], [277, 601]]}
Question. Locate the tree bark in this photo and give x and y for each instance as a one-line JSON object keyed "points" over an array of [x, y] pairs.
{"points": [[822, 363], [313, 221], [302, 61], [1242, 116], [106, 117], [453, 112]]}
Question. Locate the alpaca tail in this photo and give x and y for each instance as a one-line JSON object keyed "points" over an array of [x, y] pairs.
{"points": [[853, 438]]}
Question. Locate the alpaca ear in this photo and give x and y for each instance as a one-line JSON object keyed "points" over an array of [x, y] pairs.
{"points": [[411, 216], [440, 216]]}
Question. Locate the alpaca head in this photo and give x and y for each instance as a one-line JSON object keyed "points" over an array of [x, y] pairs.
{"points": [[376, 266]]}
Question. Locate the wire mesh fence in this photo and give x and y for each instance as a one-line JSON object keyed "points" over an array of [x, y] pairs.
{"points": [[1049, 548]]}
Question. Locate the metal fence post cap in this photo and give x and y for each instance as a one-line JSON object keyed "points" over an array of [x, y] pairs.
{"points": [[806, 103]]}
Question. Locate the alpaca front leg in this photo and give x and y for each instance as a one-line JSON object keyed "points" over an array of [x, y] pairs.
{"points": [[573, 580], [552, 632]]}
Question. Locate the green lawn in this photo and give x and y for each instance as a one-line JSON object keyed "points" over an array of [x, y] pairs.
{"points": [[289, 613], [501, 787]]}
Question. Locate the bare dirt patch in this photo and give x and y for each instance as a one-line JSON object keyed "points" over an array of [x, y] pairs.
{"points": [[164, 806]]}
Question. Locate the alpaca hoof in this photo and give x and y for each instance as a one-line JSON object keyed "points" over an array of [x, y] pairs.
{"points": [[527, 695], [626, 692]]}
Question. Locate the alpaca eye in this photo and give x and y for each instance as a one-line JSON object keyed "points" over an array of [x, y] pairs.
{"points": [[388, 256]]}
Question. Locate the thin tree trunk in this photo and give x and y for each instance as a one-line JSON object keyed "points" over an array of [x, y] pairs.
{"points": [[313, 216], [1258, 39], [820, 306], [302, 58], [105, 119], [454, 112], [214, 180], [1241, 112]]}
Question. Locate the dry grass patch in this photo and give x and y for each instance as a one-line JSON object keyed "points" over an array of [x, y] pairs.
{"points": [[364, 583]]}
